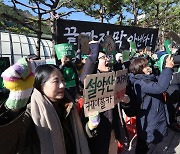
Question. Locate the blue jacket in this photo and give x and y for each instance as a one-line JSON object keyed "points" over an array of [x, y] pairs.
{"points": [[152, 114]]}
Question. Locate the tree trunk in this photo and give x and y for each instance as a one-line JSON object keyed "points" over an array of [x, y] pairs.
{"points": [[39, 34], [120, 19], [53, 23], [157, 15], [101, 18], [134, 12]]}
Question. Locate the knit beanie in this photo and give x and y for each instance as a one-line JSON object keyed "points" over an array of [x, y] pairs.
{"points": [[19, 79]]}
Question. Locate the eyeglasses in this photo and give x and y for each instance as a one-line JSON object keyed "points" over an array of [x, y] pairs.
{"points": [[104, 57]]}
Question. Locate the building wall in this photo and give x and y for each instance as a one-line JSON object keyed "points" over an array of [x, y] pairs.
{"points": [[16, 46]]}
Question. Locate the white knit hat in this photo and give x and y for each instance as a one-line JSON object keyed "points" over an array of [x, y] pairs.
{"points": [[118, 56]]}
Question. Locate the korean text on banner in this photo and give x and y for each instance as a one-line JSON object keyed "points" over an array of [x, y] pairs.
{"points": [[99, 92], [120, 85], [65, 49]]}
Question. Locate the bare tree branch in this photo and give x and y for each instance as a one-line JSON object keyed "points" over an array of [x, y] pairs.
{"points": [[46, 4], [68, 13], [28, 6], [52, 1], [15, 8], [54, 8], [55, 4]]}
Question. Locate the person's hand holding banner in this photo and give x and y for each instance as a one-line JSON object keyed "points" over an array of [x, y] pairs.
{"points": [[63, 60]]}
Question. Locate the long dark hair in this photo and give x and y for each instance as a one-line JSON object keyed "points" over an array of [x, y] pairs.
{"points": [[42, 74], [137, 65]]}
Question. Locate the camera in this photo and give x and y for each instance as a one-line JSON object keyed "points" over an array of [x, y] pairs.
{"points": [[176, 57]]}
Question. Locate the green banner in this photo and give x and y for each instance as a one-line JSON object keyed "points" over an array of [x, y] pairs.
{"points": [[125, 55], [65, 49], [113, 58], [167, 45], [132, 48]]}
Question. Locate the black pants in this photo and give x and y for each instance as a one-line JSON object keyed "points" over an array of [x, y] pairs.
{"points": [[141, 146]]}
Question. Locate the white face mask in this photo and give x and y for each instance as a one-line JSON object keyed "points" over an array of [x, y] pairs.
{"points": [[174, 51]]}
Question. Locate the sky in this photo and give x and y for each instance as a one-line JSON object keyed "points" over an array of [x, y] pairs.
{"points": [[83, 17], [74, 16]]}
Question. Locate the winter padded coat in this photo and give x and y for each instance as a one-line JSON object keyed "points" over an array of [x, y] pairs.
{"points": [[152, 114]]}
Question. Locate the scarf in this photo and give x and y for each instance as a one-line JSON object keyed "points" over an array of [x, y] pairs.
{"points": [[49, 127]]}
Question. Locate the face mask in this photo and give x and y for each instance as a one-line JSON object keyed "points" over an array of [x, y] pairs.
{"points": [[68, 64], [174, 51]]}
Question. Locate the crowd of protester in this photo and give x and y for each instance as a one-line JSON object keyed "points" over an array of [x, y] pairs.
{"points": [[38, 110]]}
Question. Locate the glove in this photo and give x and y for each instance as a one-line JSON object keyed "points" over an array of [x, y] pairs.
{"points": [[19, 80], [94, 120], [94, 48], [125, 99]]}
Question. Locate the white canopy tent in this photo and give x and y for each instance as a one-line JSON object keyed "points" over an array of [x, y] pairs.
{"points": [[16, 46]]}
